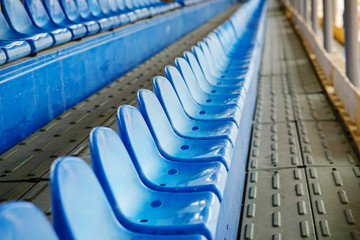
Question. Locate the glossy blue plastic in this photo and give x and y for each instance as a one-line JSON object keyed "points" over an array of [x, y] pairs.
{"points": [[195, 109], [141, 209], [41, 19], [81, 209], [207, 85], [86, 14], [72, 13], [198, 94], [222, 72], [37, 41], [154, 170], [101, 9], [180, 122], [62, 77], [219, 80], [14, 49], [57, 15], [180, 149], [23, 220], [3, 57]]}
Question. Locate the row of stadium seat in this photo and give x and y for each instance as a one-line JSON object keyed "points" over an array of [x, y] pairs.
{"points": [[34, 25], [163, 176]]}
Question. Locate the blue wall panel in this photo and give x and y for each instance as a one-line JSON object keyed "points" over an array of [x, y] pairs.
{"points": [[37, 89]]}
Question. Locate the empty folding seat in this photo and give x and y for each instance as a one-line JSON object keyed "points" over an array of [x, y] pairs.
{"points": [[203, 62], [23, 220], [81, 210], [198, 110], [211, 86], [125, 18], [184, 126], [200, 96], [72, 13], [20, 21], [36, 41], [107, 11], [12, 50], [156, 172], [86, 14], [57, 15], [222, 72], [102, 11], [177, 148]]}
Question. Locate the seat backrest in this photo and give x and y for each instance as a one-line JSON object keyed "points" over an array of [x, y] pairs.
{"points": [[209, 57], [105, 7], [174, 76], [94, 7], [190, 80], [80, 207], [198, 72], [5, 31], [16, 16], [113, 6], [37, 12], [83, 8], [70, 9], [138, 139], [203, 63], [164, 90], [114, 168], [121, 4], [55, 11], [23, 220]]}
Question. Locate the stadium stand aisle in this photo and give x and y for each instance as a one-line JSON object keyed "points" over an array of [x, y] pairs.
{"points": [[303, 174]]}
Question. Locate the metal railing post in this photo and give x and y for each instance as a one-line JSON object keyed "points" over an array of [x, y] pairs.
{"points": [[314, 17], [351, 41], [327, 25]]}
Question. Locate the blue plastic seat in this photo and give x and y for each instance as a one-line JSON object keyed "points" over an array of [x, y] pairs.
{"points": [[198, 110], [36, 42], [220, 71], [40, 19], [223, 60], [81, 209], [177, 148], [102, 11], [183, 125], [193, 110], [107, 11], [86, 14], [57, 15], [198, 94], [13, 50], [210, 86], [203, 62], [124, 17], [73, 15], [20, 21], [154, 170], [23, 220]]}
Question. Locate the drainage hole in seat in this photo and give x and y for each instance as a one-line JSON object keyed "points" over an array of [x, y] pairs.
{"points": [[208, 100], [202, 112], [213, 91], [219, 84], [185, 147], [143, 220], [172, 172], [195, 128], [156, 204], [163, 184]]}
